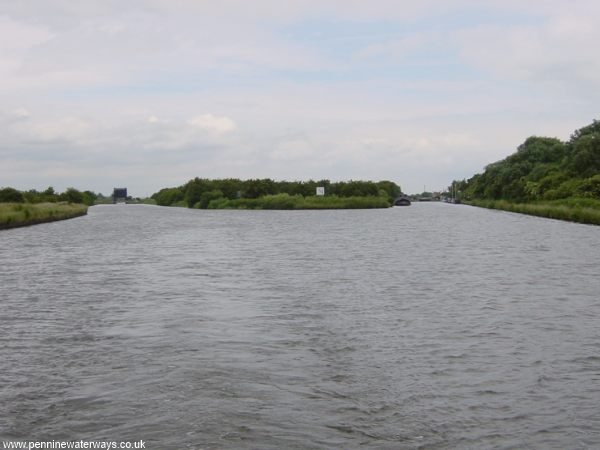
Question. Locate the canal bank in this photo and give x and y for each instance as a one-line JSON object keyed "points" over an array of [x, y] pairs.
{"points": [[13, 215], [585, 211]]}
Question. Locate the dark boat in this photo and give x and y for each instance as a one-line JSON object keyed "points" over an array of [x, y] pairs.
{"points": [[402, 201]]}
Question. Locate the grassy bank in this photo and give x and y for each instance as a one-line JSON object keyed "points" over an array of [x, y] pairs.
{"points": [[22, 214], [286, 201], [582, 210]]}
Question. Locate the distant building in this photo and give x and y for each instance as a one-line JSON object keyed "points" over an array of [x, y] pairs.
{"points": [[120, 195]]}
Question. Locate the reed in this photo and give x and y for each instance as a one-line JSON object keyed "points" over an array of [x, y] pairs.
{"points": [[14, 215], [286, 201], [582, 210]]}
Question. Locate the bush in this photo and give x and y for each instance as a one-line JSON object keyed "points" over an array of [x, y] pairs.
{"points": [[220, 203], [590, 187], [551, 194], [207, 197], [286, 201], [11, 195], [280, 201], [566, 189], [168, 196], [72, 195]]}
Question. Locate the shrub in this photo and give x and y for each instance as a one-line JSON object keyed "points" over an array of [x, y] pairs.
{"points": [[286, 201], [11, 195], [72, 195], [207, 197], [590, 187], [168, 196]]}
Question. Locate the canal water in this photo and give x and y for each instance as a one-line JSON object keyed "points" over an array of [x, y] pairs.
{"points": [[432, 326]]}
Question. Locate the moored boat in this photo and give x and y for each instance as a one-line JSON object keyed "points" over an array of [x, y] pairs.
{"points": [[402, 201]]}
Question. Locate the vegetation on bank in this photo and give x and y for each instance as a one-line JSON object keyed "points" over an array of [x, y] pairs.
{"points": [[233, 193], [544, 177], [31, 207], [569, 209], [22, 214], [71, 195], [286, 201]]}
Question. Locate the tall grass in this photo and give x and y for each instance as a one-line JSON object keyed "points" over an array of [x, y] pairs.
{"points": [[582, 210], [286, 201], [22, 214]]}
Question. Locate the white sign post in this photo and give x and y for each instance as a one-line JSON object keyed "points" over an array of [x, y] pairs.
{"points": [[320, 190]]}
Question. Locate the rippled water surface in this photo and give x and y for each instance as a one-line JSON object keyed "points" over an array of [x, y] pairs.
{"points": [[429, 327]]}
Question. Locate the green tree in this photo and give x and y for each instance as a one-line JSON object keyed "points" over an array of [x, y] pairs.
{"points": [[89, 197], [49, 195], [193, 193], [585, 158], [207, 197], [72, 195], [168, 196], [11, 195], [392, 190], [590, 187], [258, 187]]}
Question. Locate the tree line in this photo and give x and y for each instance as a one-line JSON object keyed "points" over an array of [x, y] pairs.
{"points": [[542, 168], [71, 195], [200, 192]]}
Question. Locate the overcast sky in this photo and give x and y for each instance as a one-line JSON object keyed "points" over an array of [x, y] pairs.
{"points": [[148, 94]]}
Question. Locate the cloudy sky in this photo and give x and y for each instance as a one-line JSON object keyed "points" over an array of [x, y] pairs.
{"points": [[151, 93]]}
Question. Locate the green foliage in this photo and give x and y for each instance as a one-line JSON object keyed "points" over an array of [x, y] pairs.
{"points": [[568, 188], [592, 129], [49, 192], [192, 195], [545, 177], [354, 188], [584, 157], [286, 201], [391, 189], [49, 195], [220, 203], [536, 150], [552, 181], [543, 169], [207, 197], [71, 195], [573, 210], [590, 187], [9, 194], [355, 202], [180, 204], [21, 214], [236, 193], [89, 198], [258, 188], [33, 196], [168, 196]]}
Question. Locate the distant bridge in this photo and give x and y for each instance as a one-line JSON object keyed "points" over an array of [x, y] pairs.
{"points": [[120, 195]]}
